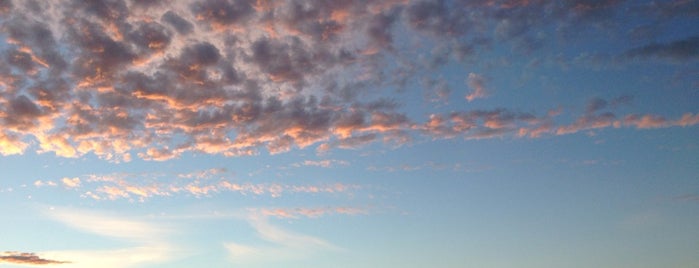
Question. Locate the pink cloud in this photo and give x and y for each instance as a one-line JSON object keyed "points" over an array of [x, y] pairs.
{"points": [[477, 83], [119, 82]]}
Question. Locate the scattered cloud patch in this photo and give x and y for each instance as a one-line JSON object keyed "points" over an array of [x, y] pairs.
{"points": [[204, 183]]}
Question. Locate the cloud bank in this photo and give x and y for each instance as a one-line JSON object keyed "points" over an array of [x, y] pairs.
{"points": [[156, 79]]}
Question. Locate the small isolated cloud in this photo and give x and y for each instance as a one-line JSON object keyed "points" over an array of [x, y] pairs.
{"points": [[293, 213], [71, 182], [323, 163], [40, 183], [14, 257], [477, 83]]}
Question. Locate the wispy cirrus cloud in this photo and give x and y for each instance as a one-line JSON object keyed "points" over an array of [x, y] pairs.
{"points": [[151, 240], [285, 245], [216, 181], [292, 213]]}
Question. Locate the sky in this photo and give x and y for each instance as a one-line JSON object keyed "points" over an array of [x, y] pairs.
{"points": [[320, 133]]}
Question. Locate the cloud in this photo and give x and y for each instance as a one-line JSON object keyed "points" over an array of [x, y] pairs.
{"points": [[181, 25], [670, 9], [115, 258], [14, 257], [477, 83], [293, 213], [107, 225], [151, 245], [71, 182], [322, 163], [40, 183], [481, 124], [204, 183], [678, 50], [123, 79], [285, 245]]}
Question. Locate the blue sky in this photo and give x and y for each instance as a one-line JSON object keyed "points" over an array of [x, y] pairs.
{"points": [[397, 133]]}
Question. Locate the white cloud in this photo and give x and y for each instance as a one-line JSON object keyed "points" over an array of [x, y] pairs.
{"points": [[287, 244], [151, 248]]}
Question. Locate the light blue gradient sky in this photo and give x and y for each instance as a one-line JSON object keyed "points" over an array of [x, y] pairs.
{"points": [[358, 134]]}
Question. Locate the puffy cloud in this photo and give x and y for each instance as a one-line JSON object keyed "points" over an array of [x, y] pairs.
{"points": [[142, 78], [11, 144], [71, 182], [14, 257], [181, 25], [478, 124], [220, 13]]}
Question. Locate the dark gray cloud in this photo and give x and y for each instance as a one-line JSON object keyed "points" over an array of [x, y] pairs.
{"points": [[107, 10], [379, 29], [679, 50], [438, 17], [148, 3], [14, 257], [149, 37], [100, 55], [181, 25], [670, 8], [223, 12], [5, 6], [282, 61], [595, 105]]}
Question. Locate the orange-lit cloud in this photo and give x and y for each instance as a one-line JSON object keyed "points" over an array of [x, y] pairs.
{"points": [[204, 183], [236, 77], [13, 257]]}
